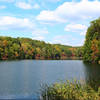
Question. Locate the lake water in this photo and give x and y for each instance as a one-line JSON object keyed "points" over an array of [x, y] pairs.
{"points": [[22, 79]]}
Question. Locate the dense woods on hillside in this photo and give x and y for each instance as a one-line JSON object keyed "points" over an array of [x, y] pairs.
{"points": [[92, 43], [25, 48]]}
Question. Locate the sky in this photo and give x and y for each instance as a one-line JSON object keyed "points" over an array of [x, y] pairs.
{"points": [[53, 21]]}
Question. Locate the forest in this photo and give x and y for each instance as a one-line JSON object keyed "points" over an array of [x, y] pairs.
{"points": [[26, 48]]}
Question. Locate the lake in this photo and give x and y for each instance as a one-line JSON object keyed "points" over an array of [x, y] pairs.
{"points": [[22, 79]]}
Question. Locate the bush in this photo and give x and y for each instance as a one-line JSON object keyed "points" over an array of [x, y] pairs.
{"points": [[69, 90]]}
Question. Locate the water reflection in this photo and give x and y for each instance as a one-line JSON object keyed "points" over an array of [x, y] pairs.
{"points": [[92, 74], [23, 78]]}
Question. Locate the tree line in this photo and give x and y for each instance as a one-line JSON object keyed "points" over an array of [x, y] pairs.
{"points": [[26, 48]]}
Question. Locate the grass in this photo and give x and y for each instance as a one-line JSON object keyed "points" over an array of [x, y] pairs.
{"points": [[69, 90]]}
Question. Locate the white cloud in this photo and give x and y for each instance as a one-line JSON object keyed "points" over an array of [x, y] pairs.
{"points": [[39, 34], [36, 6], [2, 7], [13, 23], [24, 5], [75, 27], [8, 23], [49, 16], [6, 0], [72, 11]]}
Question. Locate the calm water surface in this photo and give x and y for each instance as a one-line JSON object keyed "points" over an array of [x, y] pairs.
{"points": [[22, 79]]}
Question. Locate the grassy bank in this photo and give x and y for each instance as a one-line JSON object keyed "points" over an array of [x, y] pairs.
{"points": [[69, 91]]}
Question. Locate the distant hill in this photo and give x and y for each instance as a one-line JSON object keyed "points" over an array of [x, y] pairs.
{"points": [[26, 48]]}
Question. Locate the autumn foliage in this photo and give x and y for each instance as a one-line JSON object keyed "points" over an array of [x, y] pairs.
{"points": [[92, 43]]}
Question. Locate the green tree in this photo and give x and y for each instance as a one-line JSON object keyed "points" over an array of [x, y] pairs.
{"points": [[92, 46]]}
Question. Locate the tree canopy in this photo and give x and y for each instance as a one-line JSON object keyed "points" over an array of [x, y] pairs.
{"points": [[26, 48], [92, 42]]}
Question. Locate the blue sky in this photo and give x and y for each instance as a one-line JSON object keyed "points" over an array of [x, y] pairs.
{"points": [[53, 21]]}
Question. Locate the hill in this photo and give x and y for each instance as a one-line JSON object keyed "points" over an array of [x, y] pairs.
{"points": [[26, 48]]}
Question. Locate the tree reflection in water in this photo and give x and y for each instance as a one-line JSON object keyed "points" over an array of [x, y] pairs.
{"points": [[92, 72]]}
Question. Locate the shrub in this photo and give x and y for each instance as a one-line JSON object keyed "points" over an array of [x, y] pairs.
{"points": [[69, 90]]}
